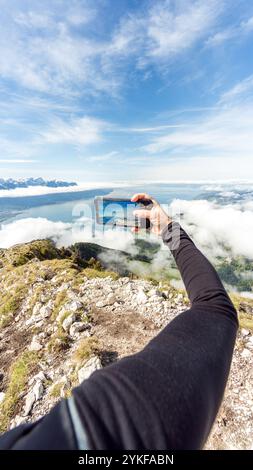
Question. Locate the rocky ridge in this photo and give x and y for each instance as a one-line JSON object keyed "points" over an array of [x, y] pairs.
{"points": [[63, 317]]}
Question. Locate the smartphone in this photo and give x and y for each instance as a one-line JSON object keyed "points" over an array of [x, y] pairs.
{"points": [[119, 212]]}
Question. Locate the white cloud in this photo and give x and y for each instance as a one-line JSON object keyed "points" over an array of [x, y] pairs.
{"points": [[25, 230], [44, 18], [43, 49], [33, 19], [79, 131], [217, 226], [164, 30], [247, 26], [171, 32], [64, 234]]}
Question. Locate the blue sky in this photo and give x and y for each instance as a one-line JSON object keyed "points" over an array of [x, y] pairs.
{"points": [[127, 90]]}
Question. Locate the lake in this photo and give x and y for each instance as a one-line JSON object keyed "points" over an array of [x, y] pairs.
{"points": [[66, 206]]}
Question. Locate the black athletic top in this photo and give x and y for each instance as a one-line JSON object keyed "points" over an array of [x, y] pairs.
{"points": [[164, 397]]}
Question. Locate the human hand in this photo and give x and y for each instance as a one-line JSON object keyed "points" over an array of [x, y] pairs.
{"points": [[157, 216]]}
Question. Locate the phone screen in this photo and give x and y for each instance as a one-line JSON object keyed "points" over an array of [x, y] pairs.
{"points": [[118, 212]]}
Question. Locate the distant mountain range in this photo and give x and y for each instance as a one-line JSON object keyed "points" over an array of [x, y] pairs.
{"points": [[25, 183]]}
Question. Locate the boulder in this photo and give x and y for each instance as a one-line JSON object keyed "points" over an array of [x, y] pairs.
{"points": [[244, 332], [141, 297], [40, 377], [29, 402], [38, 390], [78, 327], [111, 299], [35, 344], [101, 303], [66, 324], [249, 343], [73, 306], [36, 309], [46, 311], [246, 353]]}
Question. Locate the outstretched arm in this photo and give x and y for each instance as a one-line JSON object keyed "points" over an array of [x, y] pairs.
{"points": [[166, 396]]}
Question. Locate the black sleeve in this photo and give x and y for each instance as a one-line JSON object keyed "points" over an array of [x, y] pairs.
{"points": [[201, 281], [54, 431], [166, 396]]}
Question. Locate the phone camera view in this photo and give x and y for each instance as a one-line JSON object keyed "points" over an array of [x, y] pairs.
{"points": [[120, 212]]}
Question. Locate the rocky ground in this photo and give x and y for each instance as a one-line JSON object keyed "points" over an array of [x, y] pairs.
{"points": [[61, 320]]}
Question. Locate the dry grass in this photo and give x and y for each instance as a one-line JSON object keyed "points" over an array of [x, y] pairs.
{"points": [[86, 348], [20, 372]]}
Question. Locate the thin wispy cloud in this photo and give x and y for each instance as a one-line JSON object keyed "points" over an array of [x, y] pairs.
{"points": [[222, 36], [11, 149], [225, 130], [154, 129], [235, 32], [239, 90], [103, 157], [81, 131], [221, 133]]}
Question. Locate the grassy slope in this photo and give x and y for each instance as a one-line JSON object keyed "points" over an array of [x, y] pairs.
{"points": [[19, 263]]}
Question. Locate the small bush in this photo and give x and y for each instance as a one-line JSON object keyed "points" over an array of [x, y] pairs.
{"points": [[60, 341], [86, 348], [56, 390]]}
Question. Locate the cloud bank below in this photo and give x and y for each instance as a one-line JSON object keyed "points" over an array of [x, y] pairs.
{"points": [[219, 230]]}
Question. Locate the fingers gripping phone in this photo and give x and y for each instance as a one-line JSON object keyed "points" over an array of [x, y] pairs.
{"points": [[119, 212]]}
